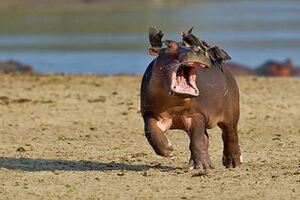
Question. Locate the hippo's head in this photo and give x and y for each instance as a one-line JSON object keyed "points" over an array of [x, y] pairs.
{"points": [[274, 68], [175, 65]]}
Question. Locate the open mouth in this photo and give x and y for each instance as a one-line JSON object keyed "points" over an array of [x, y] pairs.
{"points": [[184, 79]]}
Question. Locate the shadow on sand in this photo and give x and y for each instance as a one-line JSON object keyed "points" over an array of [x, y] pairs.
{"points": [[30, 164]]}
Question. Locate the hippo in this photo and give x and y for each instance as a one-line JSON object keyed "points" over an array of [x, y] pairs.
{"points": [[269, 68], [187, 88], [240, 70], [274, 68], [12, 66]]}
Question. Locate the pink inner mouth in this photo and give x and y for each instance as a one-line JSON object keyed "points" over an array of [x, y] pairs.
{"points": [[184, 80], [195, 64]]}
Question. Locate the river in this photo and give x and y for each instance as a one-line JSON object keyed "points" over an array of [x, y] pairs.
{"points": [[113, 42]]}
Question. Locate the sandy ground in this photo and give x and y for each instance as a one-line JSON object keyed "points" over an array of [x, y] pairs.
{"points": [[81, 137]]}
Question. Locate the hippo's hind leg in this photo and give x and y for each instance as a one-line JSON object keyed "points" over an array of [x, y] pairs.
{"points": [[157, 138], [231, 152], [199, 145]]}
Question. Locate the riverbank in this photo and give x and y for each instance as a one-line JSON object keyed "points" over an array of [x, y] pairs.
{"points": [[81, 137]]}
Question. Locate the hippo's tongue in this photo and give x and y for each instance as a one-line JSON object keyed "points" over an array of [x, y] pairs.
{"points": [[183, 83]]}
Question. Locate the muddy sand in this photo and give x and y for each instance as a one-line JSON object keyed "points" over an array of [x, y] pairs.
{"points": [[81, 137]]}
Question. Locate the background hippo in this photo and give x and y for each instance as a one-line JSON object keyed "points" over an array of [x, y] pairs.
{"points": [[181, 89], [274, 68], [12, 66], [239, 69], [269, 68]]}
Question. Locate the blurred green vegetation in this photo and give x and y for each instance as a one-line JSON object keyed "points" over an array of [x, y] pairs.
{"points": [[80, 16]]}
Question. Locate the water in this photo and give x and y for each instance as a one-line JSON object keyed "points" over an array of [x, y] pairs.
{"points": [[111, 42]]}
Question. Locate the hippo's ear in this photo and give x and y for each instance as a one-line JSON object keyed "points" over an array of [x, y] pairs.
{"points": [[217, 54], [154, 51], [155, 37]]}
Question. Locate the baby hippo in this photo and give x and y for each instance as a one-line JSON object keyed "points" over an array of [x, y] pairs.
{"points": [[186, 88]]}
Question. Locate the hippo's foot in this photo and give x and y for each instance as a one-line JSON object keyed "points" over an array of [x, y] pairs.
{"points": [[164, 151], [203, 163], [157, 139], [160, 144], [232, 160]]}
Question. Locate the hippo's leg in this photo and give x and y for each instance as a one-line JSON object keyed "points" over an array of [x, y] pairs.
{"points": [[199, 145], [157, 138], [231, 152]]}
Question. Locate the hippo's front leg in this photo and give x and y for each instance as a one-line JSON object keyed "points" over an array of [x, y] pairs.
{"points": [[199, 145], [157, 138]]}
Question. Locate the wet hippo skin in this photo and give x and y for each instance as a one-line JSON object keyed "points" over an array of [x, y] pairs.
{"points": [[185, 92]]}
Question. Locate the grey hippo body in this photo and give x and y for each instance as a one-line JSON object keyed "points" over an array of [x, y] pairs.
{"points": [[189, 95]]}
